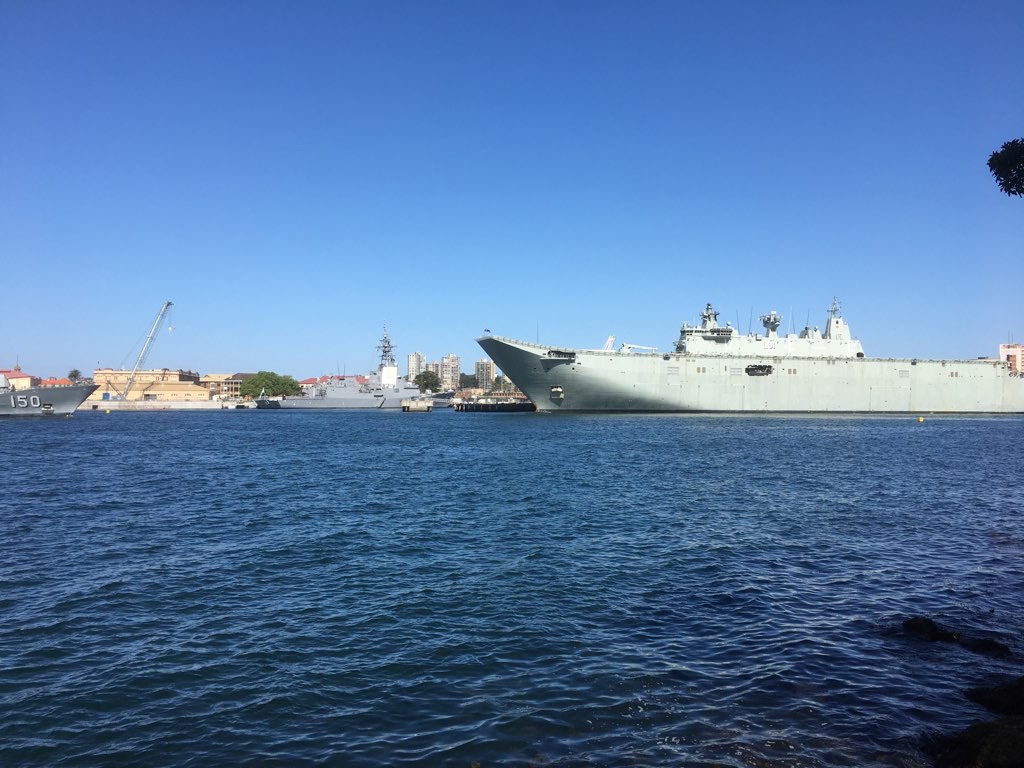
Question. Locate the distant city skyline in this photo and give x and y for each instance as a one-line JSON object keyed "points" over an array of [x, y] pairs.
{"points": [[294, 178]]}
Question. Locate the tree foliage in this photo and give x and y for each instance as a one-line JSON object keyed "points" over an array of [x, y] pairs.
{"points": [[1007, 165], [428, 380], [275, 384], [467, 380], [74, 375]]}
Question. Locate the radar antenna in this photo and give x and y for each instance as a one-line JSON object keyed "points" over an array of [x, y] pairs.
{"points": [[771, 321], [709, 317], [386, 349], [834, 310]]}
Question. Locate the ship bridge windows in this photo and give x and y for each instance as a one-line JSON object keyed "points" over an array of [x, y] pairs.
{"points": [[717, 335]]}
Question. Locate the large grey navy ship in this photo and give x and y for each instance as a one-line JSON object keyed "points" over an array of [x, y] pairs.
{"points": [[715, 368], [41, 401], [379, 389]]}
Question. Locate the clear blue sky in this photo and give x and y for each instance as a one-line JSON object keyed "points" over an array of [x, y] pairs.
{"points": [[295, 175]]}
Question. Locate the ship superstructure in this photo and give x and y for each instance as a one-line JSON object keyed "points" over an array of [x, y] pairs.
{"points": [[715, 368], [712, 340]]}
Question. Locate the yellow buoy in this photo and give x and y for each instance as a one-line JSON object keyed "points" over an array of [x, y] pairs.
{"points": [[920, 419]]}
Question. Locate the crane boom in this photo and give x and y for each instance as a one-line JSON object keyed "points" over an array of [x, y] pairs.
{"points": [[145, 348]]}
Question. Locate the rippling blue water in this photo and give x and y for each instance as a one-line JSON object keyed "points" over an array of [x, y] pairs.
{"points": [[377, 589]]}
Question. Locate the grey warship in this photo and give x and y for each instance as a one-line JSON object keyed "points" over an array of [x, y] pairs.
{"points": [[41, 401], [381, 389], [713, 368]]}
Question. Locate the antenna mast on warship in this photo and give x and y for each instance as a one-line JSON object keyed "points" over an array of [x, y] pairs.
{"points": [[386, 349]]}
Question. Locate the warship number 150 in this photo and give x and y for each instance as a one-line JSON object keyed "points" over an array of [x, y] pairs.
{"points": [[41, 401]]}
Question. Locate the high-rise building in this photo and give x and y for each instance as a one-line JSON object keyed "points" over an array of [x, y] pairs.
{"points": [[451, 368], [485, 373], [417, 364], [1014, 355]]}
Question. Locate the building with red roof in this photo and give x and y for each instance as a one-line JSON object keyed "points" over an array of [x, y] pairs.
{"points": [[20, 380]]}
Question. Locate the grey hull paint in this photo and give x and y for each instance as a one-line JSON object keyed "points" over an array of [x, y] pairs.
{"points": [[44, 401], [561, 379], [393, 399]]}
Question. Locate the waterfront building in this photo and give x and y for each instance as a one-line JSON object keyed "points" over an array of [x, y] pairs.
{"points": [[225, 384], [159, 384], [485, 373], [20, 380], [1014, 355], [505, 386]]}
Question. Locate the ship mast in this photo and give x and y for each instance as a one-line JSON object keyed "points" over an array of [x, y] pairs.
{"points": [[832, 327], [386, 349]]}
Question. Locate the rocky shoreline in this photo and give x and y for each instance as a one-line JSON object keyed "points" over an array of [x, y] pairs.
{"points": [[988, 744]]}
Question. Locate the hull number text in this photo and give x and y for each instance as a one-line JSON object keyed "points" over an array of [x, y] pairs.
{"points": [[20, 401]]}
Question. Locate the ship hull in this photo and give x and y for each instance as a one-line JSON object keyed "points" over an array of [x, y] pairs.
{"points": [[558, 379], [44, 401], [391, 400]]}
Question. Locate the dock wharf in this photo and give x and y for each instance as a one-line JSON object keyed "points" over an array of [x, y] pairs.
{"points": [[417, 405]]}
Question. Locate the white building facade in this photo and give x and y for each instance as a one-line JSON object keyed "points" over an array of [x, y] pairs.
{"points": [[485, 373], [416, 363]]}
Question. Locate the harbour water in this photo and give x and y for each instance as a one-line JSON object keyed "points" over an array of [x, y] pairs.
{"points": [[381, 589]]}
